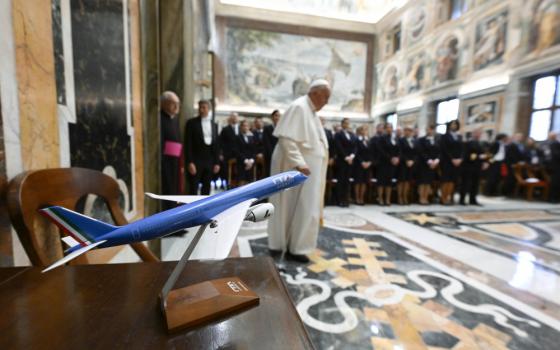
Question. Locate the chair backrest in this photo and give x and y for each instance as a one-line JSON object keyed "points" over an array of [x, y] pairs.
{"points": [[520, 173], [30, 191]]}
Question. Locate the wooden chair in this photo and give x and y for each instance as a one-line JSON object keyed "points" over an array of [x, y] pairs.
{"points": [[232, 173], [539, 179], [30, 191]]}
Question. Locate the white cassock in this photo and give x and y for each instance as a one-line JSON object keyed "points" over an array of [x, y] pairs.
{"points": [[301, 142]]}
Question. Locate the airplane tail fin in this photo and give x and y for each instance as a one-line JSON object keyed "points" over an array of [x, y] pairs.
{"points": [[82, 230]]}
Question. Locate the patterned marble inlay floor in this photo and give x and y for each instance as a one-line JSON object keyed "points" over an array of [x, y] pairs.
{"points": [[519, 234], [368, 289]]}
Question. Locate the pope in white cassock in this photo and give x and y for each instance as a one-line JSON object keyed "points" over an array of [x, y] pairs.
{"points": [[302, 145]]}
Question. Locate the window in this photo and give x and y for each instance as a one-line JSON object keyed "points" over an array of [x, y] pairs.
{"points": [[457, 8], [393, 38], [392, 118], [545, 109], [446, 111]]}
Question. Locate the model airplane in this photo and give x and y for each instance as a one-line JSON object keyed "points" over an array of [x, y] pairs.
{"points": [[224, 212]]}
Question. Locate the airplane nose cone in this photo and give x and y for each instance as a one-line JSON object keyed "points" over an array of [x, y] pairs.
{"points": [[300, 178]]}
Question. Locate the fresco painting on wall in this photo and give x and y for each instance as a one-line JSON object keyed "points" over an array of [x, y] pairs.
{"points": [[270, 69], [447, 59], [481, 113], [408, 120], [390, 83], [416, 24], [544, 29], [417, 77], [490, 41]]}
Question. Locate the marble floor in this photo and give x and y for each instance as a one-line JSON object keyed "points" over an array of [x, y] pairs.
{"points": [[417, 277]]}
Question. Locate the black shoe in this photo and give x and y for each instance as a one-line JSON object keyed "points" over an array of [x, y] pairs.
{"points": [[275, 253], [462, 203], [301, 258], [475, 203]]}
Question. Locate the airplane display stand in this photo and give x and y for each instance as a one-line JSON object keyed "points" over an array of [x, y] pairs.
{"points": [[203, 302]]}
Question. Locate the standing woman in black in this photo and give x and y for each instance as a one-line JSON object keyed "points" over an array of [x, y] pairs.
{"points": [[388, 161], [407, 165], [246, 153], [452, 157], [362, 164], [429, 154]]}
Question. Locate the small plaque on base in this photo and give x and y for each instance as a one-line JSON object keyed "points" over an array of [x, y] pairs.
{"points": [[204, 302]]}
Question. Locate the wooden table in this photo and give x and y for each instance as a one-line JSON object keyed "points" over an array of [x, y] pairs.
{"points": [[116, 306]]}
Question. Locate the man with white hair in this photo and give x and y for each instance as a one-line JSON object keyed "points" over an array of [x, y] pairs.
{"points": [[302, 145], [171, 147]]}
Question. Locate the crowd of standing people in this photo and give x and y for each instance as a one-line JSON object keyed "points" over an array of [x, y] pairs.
{"points": [[398, 165]]}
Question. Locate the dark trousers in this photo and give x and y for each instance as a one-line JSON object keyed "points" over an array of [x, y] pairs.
{"points": [[169, 180], [470, 180], [493, 179], [555, 185], [343, 173], [203, 175]]}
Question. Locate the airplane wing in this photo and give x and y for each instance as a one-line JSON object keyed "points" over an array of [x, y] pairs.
{"points": [[180, 199], [216, 242]]}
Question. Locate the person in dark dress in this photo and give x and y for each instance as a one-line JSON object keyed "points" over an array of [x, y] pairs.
{"points": [[407, 166], [269, 140], [258, 137], [451, 159], [171, 148], [474, 160], [345, 146], [202, 150], [388, 162], [429, 154], [228, 142], [362, 165], [330, 192], [246, 152]]}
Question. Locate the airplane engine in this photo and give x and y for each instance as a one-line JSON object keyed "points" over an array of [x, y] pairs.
{"points": [[259, 212]]}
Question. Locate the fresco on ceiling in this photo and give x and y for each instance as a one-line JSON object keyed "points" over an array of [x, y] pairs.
{"points": [[490, 41], [270, 69]]}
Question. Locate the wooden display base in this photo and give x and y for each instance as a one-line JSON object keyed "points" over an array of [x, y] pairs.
{"points": [[204, 302]]}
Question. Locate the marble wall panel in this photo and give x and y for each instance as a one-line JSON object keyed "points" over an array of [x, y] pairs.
{"points": [[35, 73], [102, 137]]}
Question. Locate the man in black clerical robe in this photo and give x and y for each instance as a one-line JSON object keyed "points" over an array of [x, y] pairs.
{"points": [[171, 148]]}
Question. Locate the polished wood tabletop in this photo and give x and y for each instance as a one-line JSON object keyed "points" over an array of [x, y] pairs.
{"points": [[116, 306]]}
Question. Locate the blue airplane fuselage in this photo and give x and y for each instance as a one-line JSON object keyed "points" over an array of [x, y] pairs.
{"points": [[199, 212]]}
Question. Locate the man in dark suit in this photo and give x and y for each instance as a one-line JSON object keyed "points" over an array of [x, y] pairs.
{"points": [[228, 143], [269, 140], [515, 154], [345, 145], [473, 161], [201, 149]]}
